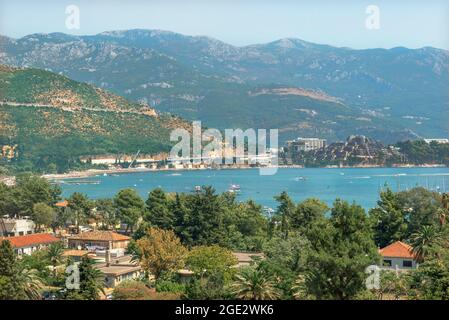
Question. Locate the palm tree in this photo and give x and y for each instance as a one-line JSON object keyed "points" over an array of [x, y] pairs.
{"points": [[443, 212], [253, 284], [299, 289], [30, 282], [425, 240], [55, 255]]}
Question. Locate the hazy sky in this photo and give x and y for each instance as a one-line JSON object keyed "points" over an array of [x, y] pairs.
{"points": [[409, 23]]}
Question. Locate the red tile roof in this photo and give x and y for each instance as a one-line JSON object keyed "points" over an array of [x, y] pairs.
{"points": [[397, 249], [31, 240], [100, 236], [62, 204]]}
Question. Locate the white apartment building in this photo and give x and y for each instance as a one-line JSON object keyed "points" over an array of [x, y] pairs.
{"points": [[306, 144], [16, 227]]}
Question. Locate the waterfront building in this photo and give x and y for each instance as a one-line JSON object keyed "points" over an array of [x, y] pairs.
{"points": [[305, 144], [437, 140]]}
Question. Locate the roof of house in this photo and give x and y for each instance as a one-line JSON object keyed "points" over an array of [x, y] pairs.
{"points": [[397, 249], [31, 239], [117, 270], [62, 204], [100, 236], [75, 253]]}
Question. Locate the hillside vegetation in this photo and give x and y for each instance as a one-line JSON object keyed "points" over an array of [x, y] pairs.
{"points": [[54, 120]]}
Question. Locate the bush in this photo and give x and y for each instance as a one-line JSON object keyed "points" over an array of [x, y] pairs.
{"points": [[136, 290], [169, 286]]}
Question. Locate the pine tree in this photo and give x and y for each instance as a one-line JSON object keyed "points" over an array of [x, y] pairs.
{"points": [[343, 247], [158, 210], [388, 219], [285, 211], [91, 282], [8, 271]]}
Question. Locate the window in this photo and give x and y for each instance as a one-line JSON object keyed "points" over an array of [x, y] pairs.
{"points": [[406, 263], [387, 263]]}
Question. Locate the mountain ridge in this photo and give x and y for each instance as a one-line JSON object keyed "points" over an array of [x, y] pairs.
{"points": [[197, 76]]}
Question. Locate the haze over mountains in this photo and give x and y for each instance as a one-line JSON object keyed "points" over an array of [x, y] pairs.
{"points": [[299, 87]]}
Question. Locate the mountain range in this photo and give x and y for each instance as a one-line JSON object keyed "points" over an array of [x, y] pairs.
{"points": [[302, 88]]}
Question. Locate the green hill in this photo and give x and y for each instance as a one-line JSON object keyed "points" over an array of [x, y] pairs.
{"points": [[55, 120]]}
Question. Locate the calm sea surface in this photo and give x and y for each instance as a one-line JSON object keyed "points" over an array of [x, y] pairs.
{"points": [[353, 184]]}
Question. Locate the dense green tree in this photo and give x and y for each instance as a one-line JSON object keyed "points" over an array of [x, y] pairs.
{"points": [[421, 152], [80, 207], [158, 210], [422, 207], [284, 259], [16, 281], [431, 280], [205, 222], [91, 282], [307, 212], [9, 286], [30, 190], [181, 214], [105, 213], [207, 260], [209, 287], [130, 207], [342, 248], [8, 201], [160, 251], [393, 285], [43, 215], [284, 212], [388, 219]]}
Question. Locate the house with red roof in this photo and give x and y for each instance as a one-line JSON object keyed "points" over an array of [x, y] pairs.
{"points": [[30, 243], [105, 240], [399, 256]]}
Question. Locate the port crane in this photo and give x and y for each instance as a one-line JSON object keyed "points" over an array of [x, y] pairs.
{"points": [[134, 159]]}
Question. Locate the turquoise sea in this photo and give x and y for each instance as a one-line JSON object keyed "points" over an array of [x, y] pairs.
{"points": [[353, 184]]}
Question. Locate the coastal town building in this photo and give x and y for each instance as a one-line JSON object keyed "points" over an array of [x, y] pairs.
{"points": [[117, 270], [62, 204], [9, 152], [398, 256], [437, 140], [99, 240], [28, 244], [75, 255], [10, 227], [305, 144], [115, 274]]}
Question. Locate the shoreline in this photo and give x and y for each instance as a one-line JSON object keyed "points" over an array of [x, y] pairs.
{"points": [[94, 172]]}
